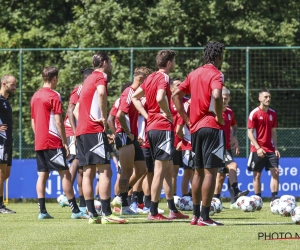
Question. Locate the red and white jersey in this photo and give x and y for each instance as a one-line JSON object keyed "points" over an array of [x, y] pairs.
{"points": [[131, 113], [114, 111], [200, 84], [45, 104], [142, 122], [176, 116], [186, 140], [89, 110], [74, 97], [229, 121], [156, 119], [262, 123]]}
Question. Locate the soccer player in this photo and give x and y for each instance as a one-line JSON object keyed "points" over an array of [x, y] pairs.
{"points": [[8, 87], [92, 141], [230, 165], [130, 152], [208, 141], [262, 124], [50, 142], [159, 129], [70, 127]]}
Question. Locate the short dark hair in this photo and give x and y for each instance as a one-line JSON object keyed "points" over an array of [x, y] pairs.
{"points": [[163, 57], [212, 51], [86, 72], [99, 58], [262, 91], [125, 86], [174, 80], [49, 73]]}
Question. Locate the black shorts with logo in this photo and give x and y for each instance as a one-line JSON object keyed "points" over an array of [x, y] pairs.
{"points": [[51, 160], [161, 144], [93, 149], [148, 159], [209, 148], [188, 159], [257, 164], [6, 154]]}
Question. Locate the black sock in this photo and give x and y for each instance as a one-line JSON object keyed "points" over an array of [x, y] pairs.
{"points": [[153, 208], [174, 194], [42, 205], [147, 201], [124, 197], [105, 204], [217, 196], [274, 195], [129, 199], [73, 205], [204, 214], [186, 195], [235, 188], [1, 200], [196, 210], [233, 200], [141, 197], [81, 201], [171, 205], [258, 194], [135, 196], [91, 208]]}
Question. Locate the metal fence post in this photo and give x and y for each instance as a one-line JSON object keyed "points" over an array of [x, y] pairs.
{"points": [[247, 99], [131, 64], [20, 103]]}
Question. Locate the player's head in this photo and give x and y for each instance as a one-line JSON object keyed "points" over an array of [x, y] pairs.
{"points": [[226, 96], [8, 84], [86, 72], [141, 73], [264, 98], [50, 75], [213, 53], [101, 60], [174, 83], [166, 59], [125, 86]]}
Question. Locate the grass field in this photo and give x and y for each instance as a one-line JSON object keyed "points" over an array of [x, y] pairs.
{"points": [[23, 231]]}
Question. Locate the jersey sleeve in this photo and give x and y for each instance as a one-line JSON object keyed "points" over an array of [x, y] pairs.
{"points": [[101, 80], [217, 81], [56, 105], [32, 109], [275, 125], [233, 121], [74, 98], [162, 84], [125, 101], [185, 86], [114, 108], [251, 121]]}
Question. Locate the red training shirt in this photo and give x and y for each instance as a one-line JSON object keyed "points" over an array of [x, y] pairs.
{"points": [[229, 121]]}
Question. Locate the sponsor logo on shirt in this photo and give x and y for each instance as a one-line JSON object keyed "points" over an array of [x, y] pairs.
{"points": [[271, 118], [260, 118]]}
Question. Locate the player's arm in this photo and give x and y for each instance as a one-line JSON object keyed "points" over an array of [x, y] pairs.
{"points": [[162, 103], [76, 111], [32, 125], [71, 116], [179, 131], [122, 119], [61, 129], [136, 100], [234, 139], [177, 99], [274, 138], [259, 150], [111, 123], [218, 104]]}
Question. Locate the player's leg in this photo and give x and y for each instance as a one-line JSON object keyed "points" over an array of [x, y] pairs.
{"points": [[256, 164], [219, 184], [135, 194], [82, 204], [175, 163], [2, 179], [272, 165], [188, 165], [72, 158]]}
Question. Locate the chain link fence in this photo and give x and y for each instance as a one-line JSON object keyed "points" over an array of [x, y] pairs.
{"points": [[247, 70]]}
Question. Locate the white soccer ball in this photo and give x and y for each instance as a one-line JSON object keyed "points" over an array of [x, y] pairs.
{"points": [[248, 205], [186, 203], [62, 198], [296, 215], [218, 204], [288, 197], [97, 205], [212, 209], [240, 200], [274, 206], [285, 208], [177, 201], [257, 201]]}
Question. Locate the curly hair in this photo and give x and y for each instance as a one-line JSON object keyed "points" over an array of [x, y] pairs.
{"points": [[212, 51]]}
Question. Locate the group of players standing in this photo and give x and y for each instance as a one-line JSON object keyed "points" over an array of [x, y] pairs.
{"points": [[153, 134]]}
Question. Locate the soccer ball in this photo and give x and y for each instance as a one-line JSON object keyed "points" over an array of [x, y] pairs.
{"points": [[285, 208], [296, 215], [186, 203], [248, 205], [97, 205], [63, 200], [177, 201], [60, 198], [274, 206], [212, 209], [240, 200], [257, 201], [288, 197], [218, 204]]}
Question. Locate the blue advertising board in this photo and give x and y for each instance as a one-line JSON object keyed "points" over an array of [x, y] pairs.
{"points": [[24, 175]]}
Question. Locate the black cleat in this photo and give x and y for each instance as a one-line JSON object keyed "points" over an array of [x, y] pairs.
{"points": [[242, 193], [5, 210]]}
